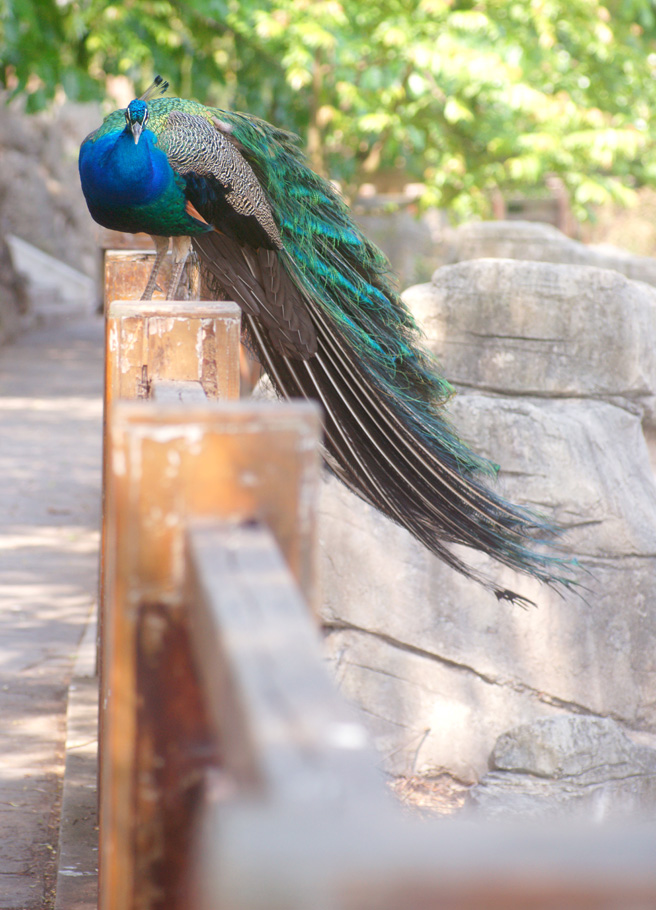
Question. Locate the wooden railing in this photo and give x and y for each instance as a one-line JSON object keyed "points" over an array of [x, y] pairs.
{"points": [[233, 777]]}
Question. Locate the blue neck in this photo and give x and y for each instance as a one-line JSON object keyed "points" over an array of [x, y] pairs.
{"points": [[123, 173]]}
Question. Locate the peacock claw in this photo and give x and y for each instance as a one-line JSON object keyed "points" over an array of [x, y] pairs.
{"points": [[180, 247], [161, 249]]}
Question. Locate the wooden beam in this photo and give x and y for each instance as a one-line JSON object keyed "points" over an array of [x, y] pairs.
{"points": [[255, 857], [145, 341], [172, 391], [118, 240], [283, 730], [148, 341], [239, 461]]}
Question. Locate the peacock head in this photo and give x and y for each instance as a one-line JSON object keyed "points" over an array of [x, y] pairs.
{"points": [[136, 117]]}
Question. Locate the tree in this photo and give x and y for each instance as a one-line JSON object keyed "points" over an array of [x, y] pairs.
{"points": [[461, 96]]}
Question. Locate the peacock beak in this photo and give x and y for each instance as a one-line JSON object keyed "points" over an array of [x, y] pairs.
{"points": [[136, 128]]}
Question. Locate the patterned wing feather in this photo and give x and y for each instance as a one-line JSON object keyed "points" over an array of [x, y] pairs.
{"points": [[241, 253], [194, 146]]}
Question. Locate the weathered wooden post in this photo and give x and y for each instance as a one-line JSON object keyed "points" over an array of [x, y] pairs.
{"points": [[238, 462], [154, 341], [149, 344], [172, 340]]}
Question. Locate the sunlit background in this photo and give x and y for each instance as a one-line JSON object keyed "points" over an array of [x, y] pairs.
{"points": [[466, 99]]}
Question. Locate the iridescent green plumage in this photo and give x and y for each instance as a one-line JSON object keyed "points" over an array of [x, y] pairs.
{"points": [[326, 321]]}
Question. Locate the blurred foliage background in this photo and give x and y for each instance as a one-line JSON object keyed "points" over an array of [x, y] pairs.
{"points": [[463, 97]]}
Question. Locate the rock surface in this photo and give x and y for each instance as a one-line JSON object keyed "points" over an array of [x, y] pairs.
{"points": [[13, 298], [574, 766], [535, 328], [438, 664], [41, 199], [407, 240], [540, 242]]}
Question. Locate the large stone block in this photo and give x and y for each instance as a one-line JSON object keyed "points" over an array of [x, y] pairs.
{"points": [[425, 712], [536, 328], [567, 766]]}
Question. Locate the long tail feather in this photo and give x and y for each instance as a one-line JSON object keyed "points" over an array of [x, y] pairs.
{"points": [[383, 464], [386, 434]]}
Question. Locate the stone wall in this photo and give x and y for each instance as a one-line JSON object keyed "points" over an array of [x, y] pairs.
{"points": [[527, 240], [41, 199], [40, 196]]}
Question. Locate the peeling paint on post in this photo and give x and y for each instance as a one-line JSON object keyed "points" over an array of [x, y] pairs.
{"points": [[180, 340]]}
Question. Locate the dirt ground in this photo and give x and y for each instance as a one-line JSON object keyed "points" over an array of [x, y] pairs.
{"points": [[50, 456], [431, 795]]}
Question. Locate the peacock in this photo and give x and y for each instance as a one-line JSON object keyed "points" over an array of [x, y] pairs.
{"points": [[320, 312]]}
